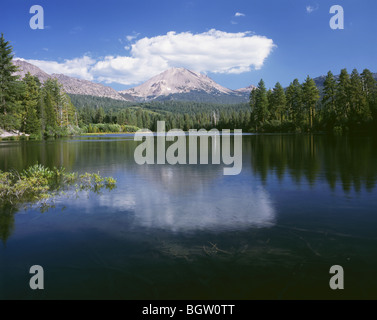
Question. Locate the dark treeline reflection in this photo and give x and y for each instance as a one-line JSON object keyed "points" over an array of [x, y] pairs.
{"points": [[77, 154], [20, 155], [348, 161], [6, 225]]}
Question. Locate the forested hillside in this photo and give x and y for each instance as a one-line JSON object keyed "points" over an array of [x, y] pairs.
{"points": [[177, 114]]}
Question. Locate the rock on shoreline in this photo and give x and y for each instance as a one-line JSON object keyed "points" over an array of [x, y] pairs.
{"points": [[12, 133]]}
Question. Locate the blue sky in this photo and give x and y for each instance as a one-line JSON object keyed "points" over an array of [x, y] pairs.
{"points": [[122, 43]]}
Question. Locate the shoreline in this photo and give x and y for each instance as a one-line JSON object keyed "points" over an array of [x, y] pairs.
{"points": [[102, 133], [12, 133]]}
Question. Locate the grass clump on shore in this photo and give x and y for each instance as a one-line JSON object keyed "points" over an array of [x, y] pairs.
{"points": [[38, 183]]}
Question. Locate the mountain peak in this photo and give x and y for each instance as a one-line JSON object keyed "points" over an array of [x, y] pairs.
{"points": [[179, 72], [176, 69], [176, 81]]}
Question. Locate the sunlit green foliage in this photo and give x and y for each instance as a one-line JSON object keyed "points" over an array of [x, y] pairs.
{"points": [[37, 184]]}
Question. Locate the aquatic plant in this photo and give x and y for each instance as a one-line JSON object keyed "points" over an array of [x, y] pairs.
{"points": [[38, 183]]}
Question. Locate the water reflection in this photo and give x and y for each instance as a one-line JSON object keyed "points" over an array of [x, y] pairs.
{"points": [[6, 226], [346, 161], [185, 198], [206, 213]]}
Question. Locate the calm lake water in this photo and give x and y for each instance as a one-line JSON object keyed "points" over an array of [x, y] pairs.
{"points": [[300, 205]]}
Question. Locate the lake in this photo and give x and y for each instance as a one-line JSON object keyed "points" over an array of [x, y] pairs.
{"points": [[301, 204]]}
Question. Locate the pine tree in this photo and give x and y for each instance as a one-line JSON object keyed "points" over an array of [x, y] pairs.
{"points": [[329, 101], [30, 120], [370, 91], [271, 105], [343, 98], [49, 119], [10, 89], [259, 105], [310, 94], [359, 109], [279, 102], [68, 114], [294, 102], [369, 83]]}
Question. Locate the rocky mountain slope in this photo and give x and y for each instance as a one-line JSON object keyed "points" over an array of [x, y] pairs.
{"points": [[70, 85], [186, 85], [246, 90], [25, 67]]}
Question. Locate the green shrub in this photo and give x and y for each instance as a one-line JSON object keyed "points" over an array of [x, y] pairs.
{"points": [[35, 136], [39, 183], [128, 128]]}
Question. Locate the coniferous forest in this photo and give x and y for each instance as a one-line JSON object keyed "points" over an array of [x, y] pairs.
{"points": [[28, 106], [346, 103]]}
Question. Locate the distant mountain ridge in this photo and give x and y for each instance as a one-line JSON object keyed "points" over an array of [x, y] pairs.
{"points": [[70, 85], [246, 90]]}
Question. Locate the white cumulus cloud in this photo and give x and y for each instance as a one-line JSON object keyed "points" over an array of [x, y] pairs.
{"points": [[78, 67], [128, 70], [212, 51], [239, 14]]}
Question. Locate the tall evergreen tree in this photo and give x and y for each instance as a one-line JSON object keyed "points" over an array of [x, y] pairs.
{"points": [[359, 113], [370, 91], [271, 105], [329, 101], [310, 94], [259, 105], [10, 89], [343, 98], [30, 120], [294, 102], [279, 102], [49, 118]]}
